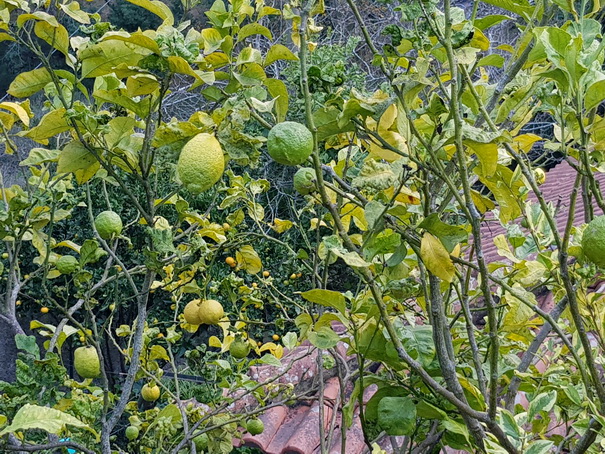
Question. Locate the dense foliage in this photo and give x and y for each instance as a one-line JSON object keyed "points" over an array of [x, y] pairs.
{"points": [[411, 153]]}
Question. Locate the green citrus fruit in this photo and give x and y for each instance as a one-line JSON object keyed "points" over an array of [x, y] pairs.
{"points": [[304, 181], [192, 313], [132, 433], [201, 163], [201, 442], [150, 393], [86, 362], [239, 349], [593, 241], [67, 264], [255, 426], [108, 224], [211, 312], [290, 143]]}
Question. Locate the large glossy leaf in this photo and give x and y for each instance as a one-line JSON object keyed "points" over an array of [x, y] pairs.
{"points": [[326, 298], [397, 415], [43, 418]]}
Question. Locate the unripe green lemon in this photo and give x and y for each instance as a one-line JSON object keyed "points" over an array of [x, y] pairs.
{"points": [[108, 224], [150, 393], [593, 241], [255, 426], [304, 181], [211, 312], [239, 349], [290, 143], [201, 442], [86, 362], [132, 433], [201, 163], [67, 264], [192, 313]]}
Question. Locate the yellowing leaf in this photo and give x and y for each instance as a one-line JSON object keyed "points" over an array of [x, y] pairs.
{"points": [[50, 125], [436, 258], [76, 159], [280, 225], [156, 7], [19, 111], [44, 418], [524, 142], [247, 259]]}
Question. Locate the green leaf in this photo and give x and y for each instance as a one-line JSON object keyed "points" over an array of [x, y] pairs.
{"points": [[540, 447], [279, 52], [436, 258], [323, 337], [279, 91], [289, 340], [90, 252], [326, 298], [427, 410], [417, 340], [253, 29], [449, 235], [456, 427], [595, 94], [373, 211], [76, 159], [397, 415], [27, 344], [43, 418], [542, 402]]}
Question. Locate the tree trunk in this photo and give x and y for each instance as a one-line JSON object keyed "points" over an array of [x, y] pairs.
{"points": [[9, 327]]}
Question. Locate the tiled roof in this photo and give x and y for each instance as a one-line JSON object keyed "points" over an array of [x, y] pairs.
{"points": [[294, 429], [557, 190]]}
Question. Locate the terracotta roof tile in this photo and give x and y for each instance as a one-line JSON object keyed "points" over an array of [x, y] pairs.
{"points": [[557, 190]]}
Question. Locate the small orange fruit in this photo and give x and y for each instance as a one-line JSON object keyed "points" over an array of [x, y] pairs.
{"points": [[293, 276], [266, 274], [275, 337], [230, 261], [44, 310]]}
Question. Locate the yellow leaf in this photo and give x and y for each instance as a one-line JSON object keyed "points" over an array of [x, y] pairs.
{"points": [[215, 342], [436, 258], [247, 259], [280, 226]]}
